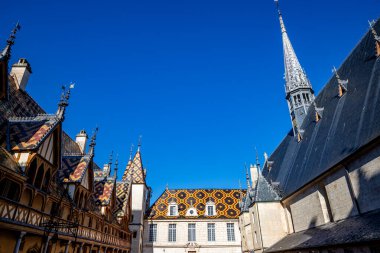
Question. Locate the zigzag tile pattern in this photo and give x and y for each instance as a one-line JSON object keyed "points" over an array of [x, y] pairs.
{"points": [[74, 168], [103, 191], [226, 203]]}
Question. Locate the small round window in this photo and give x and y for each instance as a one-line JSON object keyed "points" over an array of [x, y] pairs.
{"points": [[191, 212]]}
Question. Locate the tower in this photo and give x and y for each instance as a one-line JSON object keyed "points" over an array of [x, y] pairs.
{"points": [[135, 174], [299, 93]]}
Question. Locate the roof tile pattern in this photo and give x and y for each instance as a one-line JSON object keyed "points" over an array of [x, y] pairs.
{"points": [[135, 170], [103, 191], [74, 168], [226, 203]]}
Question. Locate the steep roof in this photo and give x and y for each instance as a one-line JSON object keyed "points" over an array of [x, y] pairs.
{"points": [[74, 168], [135, 170], [347, 124], [226, 203], [103, 190]]}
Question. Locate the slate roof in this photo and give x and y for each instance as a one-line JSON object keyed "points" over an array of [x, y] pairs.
{"points": [[348, 123], [360, 229], [226, 203], [7, 160]]}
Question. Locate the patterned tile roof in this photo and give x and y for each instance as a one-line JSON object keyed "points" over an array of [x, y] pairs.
{"points": [[69, 145], [28, 134], [135, 170], [103, 191], [122, 196], [74, 168], [226, 203]]}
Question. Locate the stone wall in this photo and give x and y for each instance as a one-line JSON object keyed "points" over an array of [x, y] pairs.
{"points": [[202, 245]]}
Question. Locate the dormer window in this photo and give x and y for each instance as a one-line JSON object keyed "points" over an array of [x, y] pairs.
{"points": [[173, 209], [210, 208]]}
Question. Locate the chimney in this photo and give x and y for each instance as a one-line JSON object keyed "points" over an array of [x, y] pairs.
{"points": [[81, 140], [20, 72]]}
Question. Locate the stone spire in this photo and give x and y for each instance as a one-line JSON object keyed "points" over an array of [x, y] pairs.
{"points": [[298, 89]]}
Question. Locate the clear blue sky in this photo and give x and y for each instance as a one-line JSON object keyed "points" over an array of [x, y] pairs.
{"points": [[201, 80]]}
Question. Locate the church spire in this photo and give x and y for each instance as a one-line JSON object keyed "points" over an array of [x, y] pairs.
{"points": [[299, 92], [6, 53]]}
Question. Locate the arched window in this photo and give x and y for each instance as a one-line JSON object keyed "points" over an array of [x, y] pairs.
{"points": [[31, 172], [39, 177], [45, 186], [26, 197]]}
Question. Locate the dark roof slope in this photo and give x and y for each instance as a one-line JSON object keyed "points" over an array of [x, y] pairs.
{"points": [[348, 122], [359, 229]]}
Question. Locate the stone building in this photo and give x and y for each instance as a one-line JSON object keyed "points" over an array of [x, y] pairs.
{"points": [[318, 191], [53, 196], [193, 221]]}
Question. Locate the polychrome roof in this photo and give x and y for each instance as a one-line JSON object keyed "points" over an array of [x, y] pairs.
{"points": [[226, 203]]}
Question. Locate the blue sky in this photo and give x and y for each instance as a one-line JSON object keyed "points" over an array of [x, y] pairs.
{"points": [[201, 81]]}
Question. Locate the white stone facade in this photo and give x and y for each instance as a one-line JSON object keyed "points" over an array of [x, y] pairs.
{"points": [[201, 243], [139, 192]]}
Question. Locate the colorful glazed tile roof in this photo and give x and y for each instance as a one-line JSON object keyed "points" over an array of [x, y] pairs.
{"points": [[74, 168], [8, 161], [122, 196], [226, 203], [135, 170], [28, 134], [103, 191]]}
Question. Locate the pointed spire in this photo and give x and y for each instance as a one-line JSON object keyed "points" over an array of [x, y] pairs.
{"points": [[299, 91], [130, 152], [116, 166], [295, 76], [257, 158], [110, 159], [247, 177], [139, 144], [6, 53], [64, 101], [93, 142]]}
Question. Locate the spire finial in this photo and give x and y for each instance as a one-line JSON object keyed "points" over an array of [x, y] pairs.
{"points": [[247, 176], [64, 101], [283, 30], [93, 142], [257, 158], [130, 152], [10, 41], [139, 143], [110, 158], [167, 187], [116, 166]]}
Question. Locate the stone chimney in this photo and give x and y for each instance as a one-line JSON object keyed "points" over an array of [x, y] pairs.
{"points": [[20, 72], [81, 140]]}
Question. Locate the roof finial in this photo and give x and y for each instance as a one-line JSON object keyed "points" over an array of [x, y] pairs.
{"points": [[139, 143], [130, 152], [257, 158], [116, 166], [64, 101], [167, 187], [10, 41], [93, 141], [110, 158], [247, 177], [283, 30], [342, 84]]}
